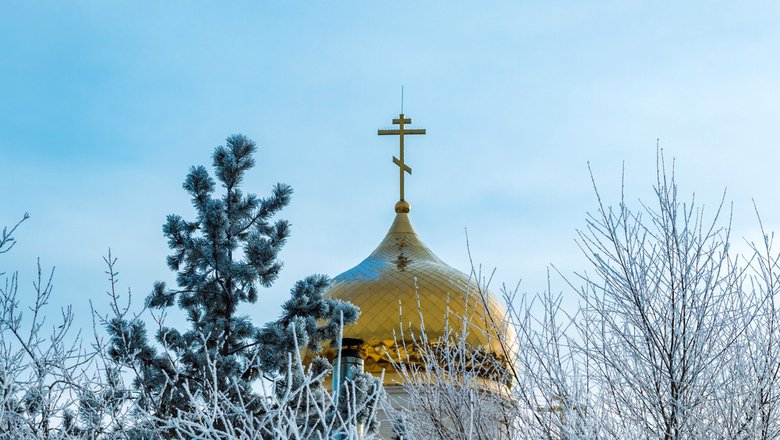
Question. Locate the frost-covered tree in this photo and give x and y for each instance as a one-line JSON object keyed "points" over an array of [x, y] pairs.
{"points": [[41, 365], [222, 258], [667, 311]]}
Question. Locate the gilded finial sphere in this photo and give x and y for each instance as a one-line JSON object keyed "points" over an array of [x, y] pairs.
{"points": [[402, 207]]}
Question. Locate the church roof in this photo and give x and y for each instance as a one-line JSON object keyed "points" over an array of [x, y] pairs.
{"points": [[404, 287]]}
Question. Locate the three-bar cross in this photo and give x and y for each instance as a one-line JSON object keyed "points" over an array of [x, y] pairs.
{"points": [[401, 132]]}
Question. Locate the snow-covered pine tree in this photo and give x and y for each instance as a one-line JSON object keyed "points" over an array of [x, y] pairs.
{"points": [[222, 258]]}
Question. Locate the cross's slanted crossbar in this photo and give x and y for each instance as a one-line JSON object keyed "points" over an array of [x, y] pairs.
{"points": [[402, 165]]}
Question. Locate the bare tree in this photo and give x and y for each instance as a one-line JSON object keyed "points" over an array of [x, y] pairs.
{"points": [[40, 363], [666, 317], [751, 383], [531, 388], [455, 390]]}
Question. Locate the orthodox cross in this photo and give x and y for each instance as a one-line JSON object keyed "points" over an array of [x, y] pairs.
{"points": [[401, 132]]}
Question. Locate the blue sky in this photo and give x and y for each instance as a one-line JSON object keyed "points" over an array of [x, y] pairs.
{"points": [[105, 105]]}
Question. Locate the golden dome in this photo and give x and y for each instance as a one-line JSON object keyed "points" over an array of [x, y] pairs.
{"points": [[402, 280]]}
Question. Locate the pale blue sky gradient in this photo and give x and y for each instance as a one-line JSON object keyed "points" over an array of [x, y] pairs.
{"points": [[105, 105]]}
